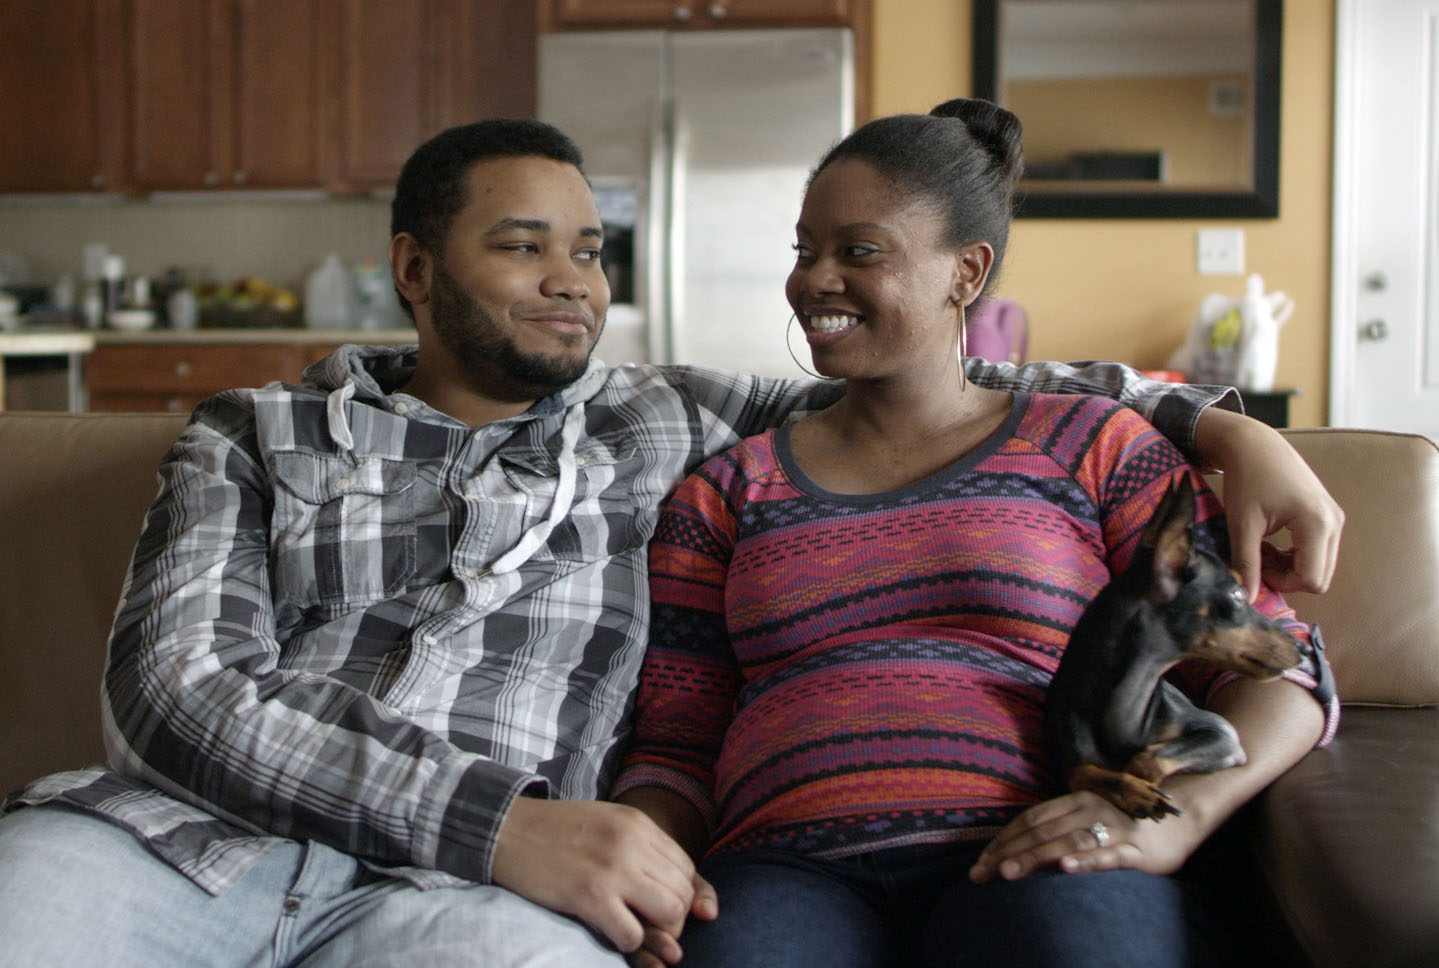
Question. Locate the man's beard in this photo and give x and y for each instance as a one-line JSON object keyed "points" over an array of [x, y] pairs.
{"points": [[476, 341]]}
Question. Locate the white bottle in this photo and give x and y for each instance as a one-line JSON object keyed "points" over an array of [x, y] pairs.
{"points": [[330, 296], [378, 307]]}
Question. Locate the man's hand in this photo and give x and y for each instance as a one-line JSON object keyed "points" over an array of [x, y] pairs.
{"points": [[607, 864], [1267, 486], [661, 948]]}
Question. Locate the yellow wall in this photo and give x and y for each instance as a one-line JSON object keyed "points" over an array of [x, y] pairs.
{"points": [[1126, 289]]}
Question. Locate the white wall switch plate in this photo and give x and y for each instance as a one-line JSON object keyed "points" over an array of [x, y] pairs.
{"points": [[1220, 252]]}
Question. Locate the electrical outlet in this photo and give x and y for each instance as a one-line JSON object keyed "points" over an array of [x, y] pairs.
{"points": [[1220, 252]]}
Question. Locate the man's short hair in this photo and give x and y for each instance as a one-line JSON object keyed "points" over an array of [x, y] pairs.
{"points": [[431, 188]]}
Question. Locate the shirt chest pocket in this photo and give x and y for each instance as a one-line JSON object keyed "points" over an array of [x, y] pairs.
{"points": [[343, 532], [603, 519]]}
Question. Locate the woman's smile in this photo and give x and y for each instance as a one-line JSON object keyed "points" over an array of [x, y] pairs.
{"points": [[829, 323]]}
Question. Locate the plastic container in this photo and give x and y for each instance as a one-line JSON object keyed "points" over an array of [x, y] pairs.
{"points": [[330, 296], [378, 306], [183, 309]]}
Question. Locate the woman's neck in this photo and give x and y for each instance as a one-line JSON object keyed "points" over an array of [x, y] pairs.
{"points": [[878, 438]]}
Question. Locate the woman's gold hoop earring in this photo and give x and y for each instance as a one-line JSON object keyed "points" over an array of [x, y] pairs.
{"points": [[963, 382], [792, 320]]}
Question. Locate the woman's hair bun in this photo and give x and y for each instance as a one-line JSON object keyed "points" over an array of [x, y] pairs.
{"points": [[995, 129]]}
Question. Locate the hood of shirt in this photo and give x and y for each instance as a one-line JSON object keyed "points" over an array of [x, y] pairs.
{"points": [[370, 373]]}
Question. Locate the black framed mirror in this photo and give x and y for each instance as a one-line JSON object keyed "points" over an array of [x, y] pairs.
{"points": [[1163, 109]]}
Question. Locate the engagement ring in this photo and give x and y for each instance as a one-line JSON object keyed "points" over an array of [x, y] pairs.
{"points": [[1100, 832]]}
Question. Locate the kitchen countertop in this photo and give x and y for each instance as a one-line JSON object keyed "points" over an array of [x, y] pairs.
{"points": [[226, 336], [58, 341], [45, 342]]}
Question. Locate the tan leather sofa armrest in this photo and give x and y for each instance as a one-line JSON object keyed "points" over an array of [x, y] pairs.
{"points": [[1381, 615]]}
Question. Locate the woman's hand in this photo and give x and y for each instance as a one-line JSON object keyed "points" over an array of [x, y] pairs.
{"points": [[1267, 486], [1062, 832], [1278, 722]]}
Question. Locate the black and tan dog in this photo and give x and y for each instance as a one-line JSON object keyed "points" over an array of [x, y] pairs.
{"points": [[1113, 724]]}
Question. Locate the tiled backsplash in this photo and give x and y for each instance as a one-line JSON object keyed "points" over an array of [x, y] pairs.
{"points": [[276, 237]]}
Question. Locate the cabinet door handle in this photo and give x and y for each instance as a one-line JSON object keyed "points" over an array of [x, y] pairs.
{"points": [[241, 176], [683, 12], [718, 11], [183, 368]]}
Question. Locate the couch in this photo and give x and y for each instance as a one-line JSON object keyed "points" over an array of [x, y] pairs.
{"points": [[1348, 840]]}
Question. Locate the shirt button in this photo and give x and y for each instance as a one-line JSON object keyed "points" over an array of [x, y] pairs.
{"points": [[343, 483], [402, 408], [291, 905], [428, 639], [580, 461]]}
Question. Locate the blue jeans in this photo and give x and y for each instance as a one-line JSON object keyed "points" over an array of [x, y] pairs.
{"points": [[917, 907], [76, 890]]}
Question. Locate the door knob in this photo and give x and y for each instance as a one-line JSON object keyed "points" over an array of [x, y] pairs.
{"points": [[1375, 329]]}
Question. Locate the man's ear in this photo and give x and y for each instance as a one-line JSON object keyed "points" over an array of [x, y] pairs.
{"points": [[411, 266], [971, 268]]}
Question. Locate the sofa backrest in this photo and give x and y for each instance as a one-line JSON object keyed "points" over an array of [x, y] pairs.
{"points": [[73, 492], [74, 489]]}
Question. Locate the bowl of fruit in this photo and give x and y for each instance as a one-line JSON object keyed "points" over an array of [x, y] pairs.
{"points": [[248, 303]]}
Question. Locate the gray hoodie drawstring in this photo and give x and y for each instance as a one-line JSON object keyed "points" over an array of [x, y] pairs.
{"points": [[339, 424], [560, 506]]}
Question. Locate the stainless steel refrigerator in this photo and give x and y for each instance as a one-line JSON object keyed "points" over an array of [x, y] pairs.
{"points": [[698, 144]]}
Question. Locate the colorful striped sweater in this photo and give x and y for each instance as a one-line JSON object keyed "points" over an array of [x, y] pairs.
{"points": [[832, 674]]}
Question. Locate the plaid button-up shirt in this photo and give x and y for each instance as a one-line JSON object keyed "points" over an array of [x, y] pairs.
{"points": [[353, 619]]}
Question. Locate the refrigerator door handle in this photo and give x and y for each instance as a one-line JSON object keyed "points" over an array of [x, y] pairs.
{"points": [[658, 235], [677, 241]]}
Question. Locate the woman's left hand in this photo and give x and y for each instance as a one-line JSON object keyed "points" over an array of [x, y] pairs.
{"points": [[1081, 832], [1268, 486]]}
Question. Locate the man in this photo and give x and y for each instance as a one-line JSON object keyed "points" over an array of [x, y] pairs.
{"points": [[373, 660]]}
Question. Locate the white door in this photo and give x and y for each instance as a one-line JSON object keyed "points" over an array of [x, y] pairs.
{"points": [[1385, 325]]}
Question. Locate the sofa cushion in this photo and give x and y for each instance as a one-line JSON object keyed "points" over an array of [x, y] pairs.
{"points": [[1349, 843]]}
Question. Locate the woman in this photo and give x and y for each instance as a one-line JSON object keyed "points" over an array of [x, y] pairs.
{"points": [[855, 618]]}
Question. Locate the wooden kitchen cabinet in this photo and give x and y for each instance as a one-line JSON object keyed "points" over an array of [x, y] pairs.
{"points": [[331, 94], [225, 93], [409, 70], [64, 86], [593, 14], [177, 95], [152, 377]]}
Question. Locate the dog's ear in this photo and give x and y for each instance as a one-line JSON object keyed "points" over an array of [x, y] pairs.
{"points": [[1170, 535]]}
